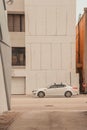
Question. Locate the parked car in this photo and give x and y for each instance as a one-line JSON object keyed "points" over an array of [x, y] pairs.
{"points": [[56, 90]]}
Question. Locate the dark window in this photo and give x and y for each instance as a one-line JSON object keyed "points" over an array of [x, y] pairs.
{"points": [[53, 86], [61, 85], [57, 86], [18, 56], [16, 22]]}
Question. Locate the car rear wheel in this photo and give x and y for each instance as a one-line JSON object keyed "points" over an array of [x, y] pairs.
{"points": [[68, 94], [41, 94]]}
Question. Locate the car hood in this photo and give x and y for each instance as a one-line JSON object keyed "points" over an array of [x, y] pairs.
{"points": [[41, 89]]}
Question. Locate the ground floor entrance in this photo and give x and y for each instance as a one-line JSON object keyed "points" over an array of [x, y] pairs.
{"points": [[18, 85]]}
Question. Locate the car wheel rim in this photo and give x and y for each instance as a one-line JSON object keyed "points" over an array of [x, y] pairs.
{"points": [[68, 94], [41, 94]]}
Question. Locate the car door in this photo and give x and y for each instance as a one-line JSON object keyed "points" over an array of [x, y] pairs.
{"points": [[61, 88], [52, 90]]}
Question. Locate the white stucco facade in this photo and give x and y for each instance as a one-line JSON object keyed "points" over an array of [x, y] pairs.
{"points": [[49, 40], [5, 61]]}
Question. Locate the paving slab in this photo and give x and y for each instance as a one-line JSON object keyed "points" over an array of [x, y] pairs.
{"points": [[50, 113], [6, 119], [50, 120]]}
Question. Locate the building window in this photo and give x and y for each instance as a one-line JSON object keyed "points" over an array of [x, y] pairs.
{"points": [[18, 56], [16, 22]]}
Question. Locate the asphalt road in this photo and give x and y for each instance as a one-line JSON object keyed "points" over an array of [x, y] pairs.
{"points": [[50, 113]]}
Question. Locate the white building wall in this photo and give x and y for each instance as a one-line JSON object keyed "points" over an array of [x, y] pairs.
{"points": [[3, 101], [16, 6], [5, 62], [50, 43], [18, 82], [49, 40]]}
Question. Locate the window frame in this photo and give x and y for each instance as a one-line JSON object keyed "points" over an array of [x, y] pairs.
{"points": [[17, 54], [21, 22]]}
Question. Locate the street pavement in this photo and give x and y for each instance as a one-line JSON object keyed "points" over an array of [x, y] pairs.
{"points": [[54, 113]]}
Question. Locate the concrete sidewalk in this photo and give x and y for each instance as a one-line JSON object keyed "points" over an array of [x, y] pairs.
{"points": [[6, 119], [50, 120], [50, 113]]}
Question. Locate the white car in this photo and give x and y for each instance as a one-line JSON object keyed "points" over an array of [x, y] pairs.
{"points": [[56, 90]]}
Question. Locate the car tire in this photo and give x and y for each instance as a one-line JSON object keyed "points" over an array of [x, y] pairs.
{"points": [[68, 94], [41, 94]]}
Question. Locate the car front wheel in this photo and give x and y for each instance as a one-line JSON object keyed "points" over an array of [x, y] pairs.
{"points": [[41, 94], [68, 94]]}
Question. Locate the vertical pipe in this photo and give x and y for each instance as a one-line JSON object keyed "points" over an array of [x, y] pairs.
{"points": [[78, 43], [70, 79]]}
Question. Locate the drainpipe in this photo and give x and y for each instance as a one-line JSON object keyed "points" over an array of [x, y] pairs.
{"points": [[78, 43], [85, 47]]}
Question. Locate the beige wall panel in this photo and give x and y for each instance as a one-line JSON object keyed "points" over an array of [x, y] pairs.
{"points": [[31, 14], [28, 56], [50, 39], [3, 101], [56, 56], [18, 85], [67, 77], [71, 20], [4, 27], [45, 56], [66, 56], [73, 56], [6, 55], [41, 79], [48, 2], [51, 21], [35, 56], [41, 21], [61, 21], [18, 72], [26, 20], [17, 39], [40, 2], [61, 76], [51, 77], [5, 67], [18, 5], [65, 2], [31, 81]]}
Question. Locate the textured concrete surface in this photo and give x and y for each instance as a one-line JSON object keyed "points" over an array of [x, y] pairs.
{"points": [[6, 119], [50, 113]]}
